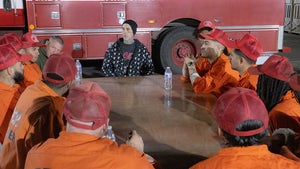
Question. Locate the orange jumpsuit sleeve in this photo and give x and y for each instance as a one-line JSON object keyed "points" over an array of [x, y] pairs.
{"points": [[286, 114], [248, 81], [202, 67], [218, 79]]}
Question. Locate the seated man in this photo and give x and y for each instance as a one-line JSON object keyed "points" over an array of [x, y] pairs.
{"points": [[32, 71], [11, 72], [213, 73], [243, 119], [243, 55], [87, 110], [127, 56], [54, 45]]}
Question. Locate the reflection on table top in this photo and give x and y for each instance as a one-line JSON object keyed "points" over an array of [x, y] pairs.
{"points": [[176, 125]]}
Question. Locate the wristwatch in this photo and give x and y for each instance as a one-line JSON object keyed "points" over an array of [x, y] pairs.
{"points": [[190, 63]]}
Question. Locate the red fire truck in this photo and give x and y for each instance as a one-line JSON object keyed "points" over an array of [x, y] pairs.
{"points": [[166, 27]]}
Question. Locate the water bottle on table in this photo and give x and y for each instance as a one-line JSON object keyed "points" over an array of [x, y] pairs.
{"points": [[78, 76], [168, 78], [110, 134]]}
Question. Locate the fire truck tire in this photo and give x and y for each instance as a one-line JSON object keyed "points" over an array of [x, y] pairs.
{"points": [[174, 45]]}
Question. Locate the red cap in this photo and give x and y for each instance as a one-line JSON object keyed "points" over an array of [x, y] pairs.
{"points": [[280, 68], [238, 105], [30, 40], [249, 45], [217, 35], [206, 24], [62, 65], [13, 39], [9, 56], [87, 102]]}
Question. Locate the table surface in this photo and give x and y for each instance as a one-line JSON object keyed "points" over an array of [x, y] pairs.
{"points": [[176, 126]]}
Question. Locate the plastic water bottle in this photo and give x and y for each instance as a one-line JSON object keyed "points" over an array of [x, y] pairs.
{"points": [[110, 133], [168, 78], [78, 76]]}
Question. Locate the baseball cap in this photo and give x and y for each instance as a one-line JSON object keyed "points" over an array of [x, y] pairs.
{"points": [[30, 40], [280, 68], [60, 69], [217, 35], [13, 39], [206, 24], [87, 102], [9, 56], [249, 45], [238, 105]]}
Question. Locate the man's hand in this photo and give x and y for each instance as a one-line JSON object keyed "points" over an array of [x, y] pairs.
{"points": [[135, 140]]}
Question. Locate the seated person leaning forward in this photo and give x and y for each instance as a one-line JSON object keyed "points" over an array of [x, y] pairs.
{"points": [[213, 73]]}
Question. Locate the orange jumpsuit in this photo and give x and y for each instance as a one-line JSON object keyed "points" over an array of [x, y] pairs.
{"points": [[77, 150], [251, 157], [13, 153], [248, 80], [8, 101], [32, 72], [286, 114], [215, 78]]}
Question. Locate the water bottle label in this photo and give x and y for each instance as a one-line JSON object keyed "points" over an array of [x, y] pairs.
{"points": [[168, 75]]}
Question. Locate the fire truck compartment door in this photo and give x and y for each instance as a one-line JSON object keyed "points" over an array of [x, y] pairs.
{"points": [[113, 14], [47, 15]]}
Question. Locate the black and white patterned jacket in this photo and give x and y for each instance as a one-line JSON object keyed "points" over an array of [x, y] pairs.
{"points": [[115, 65]]}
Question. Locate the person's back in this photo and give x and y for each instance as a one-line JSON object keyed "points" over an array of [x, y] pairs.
{"points": [[243, 120], [86, 110], [84, 151], [250, 157], [58, 74]]}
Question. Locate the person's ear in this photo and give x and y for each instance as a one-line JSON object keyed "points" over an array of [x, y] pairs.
{"points": [[242, 60], [10, 71]]}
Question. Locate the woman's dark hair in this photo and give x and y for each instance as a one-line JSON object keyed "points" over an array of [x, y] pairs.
{"points": [[246, 140], [45, 116], [271, 90]]}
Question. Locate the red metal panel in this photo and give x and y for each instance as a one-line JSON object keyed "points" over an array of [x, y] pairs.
{"points": [[97, 44], [81, 15], [110, 13], [44, 15], [10, 19]]}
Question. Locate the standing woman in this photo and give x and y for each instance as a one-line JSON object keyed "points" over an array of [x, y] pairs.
{"points": [[127, 56]]}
